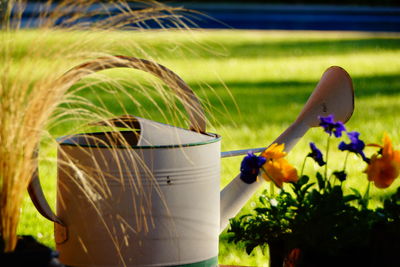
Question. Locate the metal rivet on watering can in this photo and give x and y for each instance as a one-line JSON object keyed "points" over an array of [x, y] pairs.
{"points": [[60, 233]]}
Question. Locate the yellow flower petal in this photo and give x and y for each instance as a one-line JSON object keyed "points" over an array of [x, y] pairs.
{"points": [[274, 151], [279, 171]]}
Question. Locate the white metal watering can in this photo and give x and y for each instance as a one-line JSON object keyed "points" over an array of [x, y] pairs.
{"points": [[151, 197]]}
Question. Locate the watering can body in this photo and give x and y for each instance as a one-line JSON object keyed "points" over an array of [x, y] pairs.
{"points": [[139, 204], [148, 196]]}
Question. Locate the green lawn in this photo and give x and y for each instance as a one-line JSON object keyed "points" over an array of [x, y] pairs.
{"points": [[253, 84]]}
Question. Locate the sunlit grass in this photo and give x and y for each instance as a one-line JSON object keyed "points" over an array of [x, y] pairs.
{"points": [[260, 81]]}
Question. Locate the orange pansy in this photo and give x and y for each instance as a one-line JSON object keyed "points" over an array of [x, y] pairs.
{"points": [[276, 168], [274, 151], [384, 168]]}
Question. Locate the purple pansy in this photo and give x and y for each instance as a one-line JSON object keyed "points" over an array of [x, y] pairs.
{"points": [[356, 145], [330, 126], [316, 154], [250, 167]]}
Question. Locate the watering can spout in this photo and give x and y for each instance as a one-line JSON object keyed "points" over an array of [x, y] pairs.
{"points": [[333, 94]]}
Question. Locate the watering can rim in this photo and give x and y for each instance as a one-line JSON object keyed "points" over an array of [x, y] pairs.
{"points": [[66, 141], [145, 135]]}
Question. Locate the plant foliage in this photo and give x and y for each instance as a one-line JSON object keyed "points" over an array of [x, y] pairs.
{"points": [[322, 223]]}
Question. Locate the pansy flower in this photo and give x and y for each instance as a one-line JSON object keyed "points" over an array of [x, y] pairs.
{"points": [[384, 166], [274, 151], [276, 168], [330, 126], [250, 167], [356, 145], [316, 154]]}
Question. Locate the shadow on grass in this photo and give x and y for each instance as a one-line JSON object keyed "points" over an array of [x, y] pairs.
{"points": [[280, 102], [314, 48], [248, 103], [364, 87], [275, 49], [243, 49]]}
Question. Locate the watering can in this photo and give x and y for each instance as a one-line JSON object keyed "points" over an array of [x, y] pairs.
{"points": [[150, 196]]}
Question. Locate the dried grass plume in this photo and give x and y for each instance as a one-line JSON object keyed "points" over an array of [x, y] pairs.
{"points": [[31, 91]]}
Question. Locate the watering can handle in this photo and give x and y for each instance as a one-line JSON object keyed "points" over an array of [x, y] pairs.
{"points": [[185, 94], [37, 196], [189, 100]]}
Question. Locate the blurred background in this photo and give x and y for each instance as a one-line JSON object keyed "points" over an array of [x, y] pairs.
{"points": [[355, 15]]}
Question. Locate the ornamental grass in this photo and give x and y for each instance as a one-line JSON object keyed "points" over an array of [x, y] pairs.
{"points": [[36, 98]]}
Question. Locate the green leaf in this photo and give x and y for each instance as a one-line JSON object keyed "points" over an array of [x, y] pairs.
{"points": [[337, 192], [249, 248], [261, 210], [350, 198], [305, 188], [356, 192], [243, 217], [321, 181], [263, 200], [303, 180]]}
